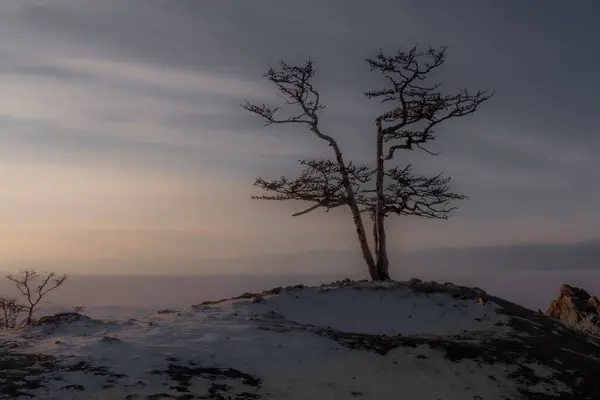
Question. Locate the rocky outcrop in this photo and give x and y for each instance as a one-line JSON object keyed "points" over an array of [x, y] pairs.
{"points": [[577, 308]]}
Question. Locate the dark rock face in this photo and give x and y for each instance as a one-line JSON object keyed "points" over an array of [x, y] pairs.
{"points": [[576, 308]]}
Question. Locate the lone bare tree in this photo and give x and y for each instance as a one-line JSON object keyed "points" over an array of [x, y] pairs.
{"points": [[34, 292], [416, 109]]}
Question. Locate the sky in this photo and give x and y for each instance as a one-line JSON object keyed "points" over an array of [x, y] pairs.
{"points": [[123, 143]]}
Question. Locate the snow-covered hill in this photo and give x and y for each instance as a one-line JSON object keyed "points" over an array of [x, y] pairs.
{"points": [[347, 340]]}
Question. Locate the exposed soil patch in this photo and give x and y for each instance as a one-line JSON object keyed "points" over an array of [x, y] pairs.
{"points": [[222, 381]]}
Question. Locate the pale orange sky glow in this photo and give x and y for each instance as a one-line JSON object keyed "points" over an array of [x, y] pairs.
{"points": [[122, 135]]}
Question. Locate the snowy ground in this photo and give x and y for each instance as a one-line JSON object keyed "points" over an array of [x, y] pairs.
{"points": [[331, 342]]}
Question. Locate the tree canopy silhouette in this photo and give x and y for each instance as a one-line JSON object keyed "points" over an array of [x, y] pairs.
{"points": [[416, 109]]}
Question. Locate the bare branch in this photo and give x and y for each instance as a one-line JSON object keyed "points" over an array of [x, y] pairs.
{"points": [[24, 284], [409, 194], [428, 151], [422, 196], [309, 209], [420, 107], [318, 205], [320, 182], [296, 89]]}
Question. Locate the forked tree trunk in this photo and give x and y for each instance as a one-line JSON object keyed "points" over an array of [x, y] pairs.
{"points": [[382, 262], [356, 216]]}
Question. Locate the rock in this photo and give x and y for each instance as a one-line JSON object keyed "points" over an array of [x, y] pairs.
{"points": [[567, 290], [413, 282], [576, 308], [110, 340], [460, 292], [75, 387], [479, 291], [276, 290], [591, 325], [61, 318], [168, 311]]}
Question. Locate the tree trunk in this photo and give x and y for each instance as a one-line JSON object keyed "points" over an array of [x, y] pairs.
{"points": [[382, 262], [29, 316], [356, 216], [381, 276]]}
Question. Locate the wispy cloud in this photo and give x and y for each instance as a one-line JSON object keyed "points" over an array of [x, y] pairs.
{"points": [[116, 116]]}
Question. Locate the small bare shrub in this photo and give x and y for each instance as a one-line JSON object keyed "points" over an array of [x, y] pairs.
{"points": [[78, 309], [9, 313]]}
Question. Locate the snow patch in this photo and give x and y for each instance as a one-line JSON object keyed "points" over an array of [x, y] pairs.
{"points": [[256, 347], [363, 309]]}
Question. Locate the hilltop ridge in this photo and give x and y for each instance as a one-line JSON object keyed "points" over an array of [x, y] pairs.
{"points": [[342, 340]]}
